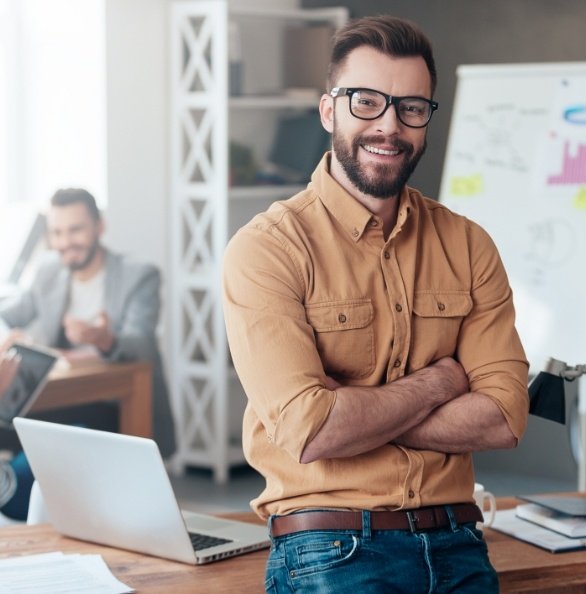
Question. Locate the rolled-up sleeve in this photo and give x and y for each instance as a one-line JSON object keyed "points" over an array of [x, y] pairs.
{"points": [[272, 344], [489, 347]]}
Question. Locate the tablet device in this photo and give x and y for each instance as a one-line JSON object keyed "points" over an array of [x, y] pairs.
{"points": [[31, 376], [566, 504]]}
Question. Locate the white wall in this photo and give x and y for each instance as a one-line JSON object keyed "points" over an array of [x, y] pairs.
{"points": [[137, 128], [54, 115], [63, 97]]}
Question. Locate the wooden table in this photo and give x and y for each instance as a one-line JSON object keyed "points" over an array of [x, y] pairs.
{"points": [[128, 384], [522, 568], [526, 568], [147, 575]]}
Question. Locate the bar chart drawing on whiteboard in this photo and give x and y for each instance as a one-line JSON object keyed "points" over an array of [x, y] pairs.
{"points": [[573, 167]]}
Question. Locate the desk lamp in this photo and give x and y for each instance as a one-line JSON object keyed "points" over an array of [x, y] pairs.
{"points": [[547, 399]]}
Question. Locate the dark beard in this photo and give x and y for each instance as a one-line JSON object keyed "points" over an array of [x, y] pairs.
{"points": [[76, 267], [387, 180]]}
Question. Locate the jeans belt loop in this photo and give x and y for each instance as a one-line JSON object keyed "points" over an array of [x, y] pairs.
{"points": [[451, 518], [366, 524], [412, 519], [270, 526]]}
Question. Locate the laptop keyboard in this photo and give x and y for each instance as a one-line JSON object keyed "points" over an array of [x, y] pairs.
{"points": [[205, 541]]}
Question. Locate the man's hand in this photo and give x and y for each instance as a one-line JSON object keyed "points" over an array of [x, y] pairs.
{"points": [[331, 383], [9, 364], [98, 333], [454, 374], [15, 335]]}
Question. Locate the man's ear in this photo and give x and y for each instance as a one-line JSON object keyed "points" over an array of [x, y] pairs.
{"points": [[326, 112]]}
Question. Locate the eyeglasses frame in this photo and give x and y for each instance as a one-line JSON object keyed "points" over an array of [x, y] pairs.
{"points": [[393, 100]]}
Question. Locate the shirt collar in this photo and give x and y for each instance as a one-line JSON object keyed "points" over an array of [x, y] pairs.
{"points": [[353, 216]]}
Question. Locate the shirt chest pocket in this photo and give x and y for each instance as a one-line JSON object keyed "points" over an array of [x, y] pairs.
{"points": [[344, 336], [436, 321]]}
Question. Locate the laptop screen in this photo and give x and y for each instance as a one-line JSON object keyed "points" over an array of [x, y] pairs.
{"points": [[31, 375]]}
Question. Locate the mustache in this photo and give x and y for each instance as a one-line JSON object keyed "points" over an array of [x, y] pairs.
{"points": [[396, 143]]}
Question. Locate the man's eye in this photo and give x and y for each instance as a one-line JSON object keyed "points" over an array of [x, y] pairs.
{"points": [[367, 101], [412, 109]]}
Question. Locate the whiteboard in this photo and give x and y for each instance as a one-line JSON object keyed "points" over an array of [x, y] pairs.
{"points": [[516, 164]]}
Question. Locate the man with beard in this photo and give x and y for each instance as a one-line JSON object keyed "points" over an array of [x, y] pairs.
{"points": [[89, 301], [373, 332]]}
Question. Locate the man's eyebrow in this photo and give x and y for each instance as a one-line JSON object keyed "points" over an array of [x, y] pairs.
{"points": [[73, 227]]}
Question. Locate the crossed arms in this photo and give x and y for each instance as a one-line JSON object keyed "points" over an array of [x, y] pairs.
{"points": [[430, 409]]}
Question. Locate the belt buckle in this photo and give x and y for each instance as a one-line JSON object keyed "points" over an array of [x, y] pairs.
{"points": [[412, 519]]}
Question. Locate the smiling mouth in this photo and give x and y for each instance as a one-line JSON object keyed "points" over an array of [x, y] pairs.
{"points": [[71, 252], [380, 151]]}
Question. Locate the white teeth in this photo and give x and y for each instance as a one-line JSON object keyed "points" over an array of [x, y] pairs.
{"points": [[379, 151]]}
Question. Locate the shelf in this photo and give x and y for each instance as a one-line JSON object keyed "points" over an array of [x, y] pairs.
{"points": [[307, 15], [275, 102], [265, 192]]}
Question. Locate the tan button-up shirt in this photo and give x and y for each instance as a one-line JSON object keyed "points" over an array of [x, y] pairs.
{"points": [[311, 288]]}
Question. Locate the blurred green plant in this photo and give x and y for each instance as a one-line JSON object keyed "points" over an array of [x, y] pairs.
{"points": [[243, 167]]}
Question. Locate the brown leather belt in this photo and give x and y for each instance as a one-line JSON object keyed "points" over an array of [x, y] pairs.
{"points": [[415, 520]]}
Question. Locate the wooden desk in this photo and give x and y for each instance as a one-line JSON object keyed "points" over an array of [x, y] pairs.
{"points": [[128, 384], [148, 575], [522, 568]]}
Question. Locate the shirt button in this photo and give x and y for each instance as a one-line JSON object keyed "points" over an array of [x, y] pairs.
{"points": [[341, 318], [355, 232], [411, 494], [387, 256], [398, 307], [373, 223], [397, 363], [441, 306]]}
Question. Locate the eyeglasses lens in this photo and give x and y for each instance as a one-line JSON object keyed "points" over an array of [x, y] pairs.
{"points": [[367, 104], [412, 111]]}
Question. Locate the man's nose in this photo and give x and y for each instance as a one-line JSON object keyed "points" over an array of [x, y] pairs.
{"points": [[389, 122], [60, 242]]}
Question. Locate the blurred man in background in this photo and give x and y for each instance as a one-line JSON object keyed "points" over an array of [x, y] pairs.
{"points": [[91, 302]]}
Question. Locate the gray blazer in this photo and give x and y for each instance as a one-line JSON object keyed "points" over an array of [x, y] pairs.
{"points": [[132, 302]]}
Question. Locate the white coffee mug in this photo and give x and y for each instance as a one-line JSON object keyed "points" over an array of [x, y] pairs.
{"points": [[481, 496]]}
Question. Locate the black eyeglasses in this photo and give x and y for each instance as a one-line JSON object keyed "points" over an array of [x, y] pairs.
{"points": [[368, 104]]}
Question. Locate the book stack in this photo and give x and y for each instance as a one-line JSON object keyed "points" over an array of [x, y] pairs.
{"points": [[553, 522]]}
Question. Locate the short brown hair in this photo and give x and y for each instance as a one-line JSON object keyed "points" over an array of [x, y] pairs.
{"points": [[390, 35], [67, 196]]}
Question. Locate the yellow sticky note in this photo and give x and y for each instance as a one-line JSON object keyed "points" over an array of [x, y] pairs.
{"points": [[468, 185], [580, 199]]}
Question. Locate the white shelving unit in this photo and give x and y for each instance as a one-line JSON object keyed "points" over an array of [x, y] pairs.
{"points": [[208, 400]]}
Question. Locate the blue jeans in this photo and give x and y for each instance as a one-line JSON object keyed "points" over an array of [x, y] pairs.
{"points": [[17, 506], [453, 559]]}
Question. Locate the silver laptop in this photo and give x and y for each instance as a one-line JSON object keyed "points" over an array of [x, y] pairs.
{"points": [[32, 373], [113, 489]]}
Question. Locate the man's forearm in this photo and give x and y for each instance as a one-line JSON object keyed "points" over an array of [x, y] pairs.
{"points": [[364, 418], [472, 422]]}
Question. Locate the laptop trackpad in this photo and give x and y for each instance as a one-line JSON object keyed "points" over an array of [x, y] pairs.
{"points": [[199, 522]]}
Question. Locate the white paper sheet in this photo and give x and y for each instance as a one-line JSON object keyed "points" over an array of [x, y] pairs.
{"points": [[506, 521], [56, 573]]}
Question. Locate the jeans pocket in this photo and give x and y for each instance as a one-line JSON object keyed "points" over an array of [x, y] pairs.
{"points": [[473, 532], [271, 586], [323, 552]]}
